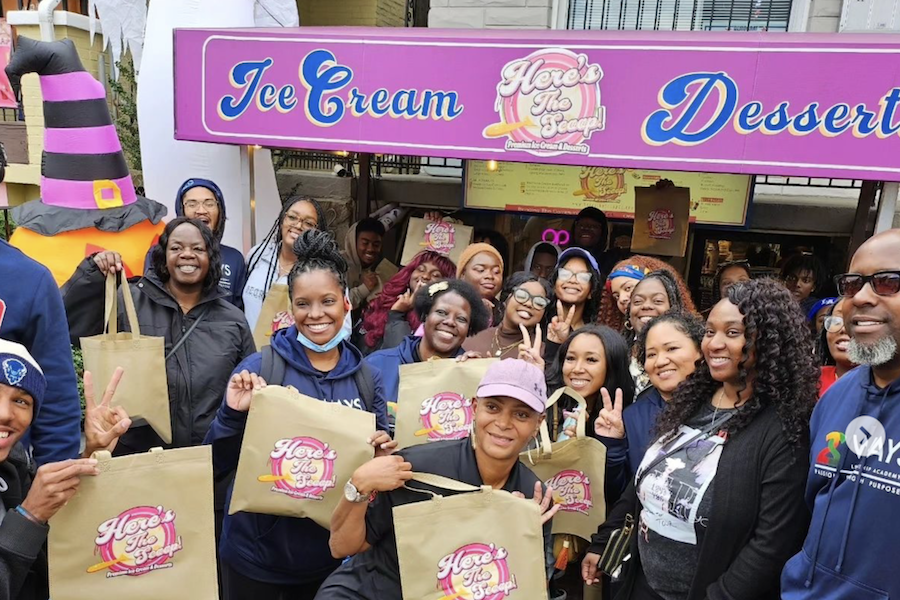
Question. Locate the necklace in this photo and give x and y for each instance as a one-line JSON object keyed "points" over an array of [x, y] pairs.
{"points": [[716, 399], [495, 343]]}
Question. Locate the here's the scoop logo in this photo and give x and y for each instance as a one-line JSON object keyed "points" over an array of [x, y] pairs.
{"points": [[446, 416], [549, 103], [476, 572], [661, 224], [572, 490], [138, 541], [440, 237], [301, 467]]}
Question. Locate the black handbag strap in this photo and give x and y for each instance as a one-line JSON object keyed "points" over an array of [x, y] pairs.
{"points": [[703, 434], [186, 335]]}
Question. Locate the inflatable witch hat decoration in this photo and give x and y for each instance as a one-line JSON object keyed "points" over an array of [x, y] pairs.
{"points": [[88, 201]]}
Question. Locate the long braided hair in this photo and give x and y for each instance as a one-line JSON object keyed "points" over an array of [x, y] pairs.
{"points": [[274, 238]]}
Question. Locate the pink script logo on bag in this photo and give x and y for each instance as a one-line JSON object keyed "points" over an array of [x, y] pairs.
{"points": [[302, 467], [661, 224], [446, 416], [138, 541], [476, 572], [440, 237], [572, 489]]}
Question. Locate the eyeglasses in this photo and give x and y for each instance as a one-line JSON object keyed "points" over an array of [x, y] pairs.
{"points": [[582, 276], [884, 283], [522, 297], [208, 204], [834, 324], [305, 224]]}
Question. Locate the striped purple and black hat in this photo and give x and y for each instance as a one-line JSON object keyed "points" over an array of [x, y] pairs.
{"points": [[83, 166]]}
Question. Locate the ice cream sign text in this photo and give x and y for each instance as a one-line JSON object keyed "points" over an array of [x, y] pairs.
{"points": [[329, 96]]}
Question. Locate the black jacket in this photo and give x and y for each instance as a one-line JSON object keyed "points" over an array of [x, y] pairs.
{"points": [[758, 520], [23, 551], [199, 370]]}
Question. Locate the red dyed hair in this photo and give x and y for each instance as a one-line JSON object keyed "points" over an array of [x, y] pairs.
{"points": [[376, 315], [609, 312]]}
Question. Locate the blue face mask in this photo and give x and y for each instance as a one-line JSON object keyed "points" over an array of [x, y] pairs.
{"points": [[342, 335]]}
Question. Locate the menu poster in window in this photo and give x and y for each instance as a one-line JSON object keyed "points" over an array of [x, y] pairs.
{"points": [[7, 97], [661, 220]]}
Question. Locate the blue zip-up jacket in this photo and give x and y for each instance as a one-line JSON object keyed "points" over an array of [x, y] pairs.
{"points": [[234, 270], [624, 456], [32, 314], [284, 550], [854, 493], [388, 363]]}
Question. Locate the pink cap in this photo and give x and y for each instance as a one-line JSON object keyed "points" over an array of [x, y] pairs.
{"points": [[517, 379]]}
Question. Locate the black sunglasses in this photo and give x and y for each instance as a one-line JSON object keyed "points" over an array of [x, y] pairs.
{"points": [[884, 283]]}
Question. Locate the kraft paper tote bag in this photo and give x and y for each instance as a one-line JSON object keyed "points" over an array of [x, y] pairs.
{"points": [[297, 454], [143, 391], [576, 469], [481, 543], [443, 237], [435, 400], [142, 529], [275, 314]]}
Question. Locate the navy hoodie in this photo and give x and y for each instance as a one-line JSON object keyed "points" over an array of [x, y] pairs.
{"points": [[32, 314], [284, 550], [234, 270], [854, 492], [388, 362]]}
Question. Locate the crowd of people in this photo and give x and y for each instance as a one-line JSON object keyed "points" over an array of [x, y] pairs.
{"points": [[719, 428]]}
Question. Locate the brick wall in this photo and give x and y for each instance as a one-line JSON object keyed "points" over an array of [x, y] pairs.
{"points": [[390, 13], [338, 12], [490, 14]]}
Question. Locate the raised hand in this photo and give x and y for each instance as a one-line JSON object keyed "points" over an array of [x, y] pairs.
{"points": [[561, 324], [544, 501], [404, 302], [370, 280], [609, 422], [532, 353], [240, 389], [108, 262], [103, 424]]}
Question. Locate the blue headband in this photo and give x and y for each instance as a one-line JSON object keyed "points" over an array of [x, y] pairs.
{"points": [[811, 315], [629, 271]]}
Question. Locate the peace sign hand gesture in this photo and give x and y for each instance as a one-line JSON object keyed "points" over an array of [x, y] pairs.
{"points": [[529, 352], [561, 325], [609, 422], [103, 424]]}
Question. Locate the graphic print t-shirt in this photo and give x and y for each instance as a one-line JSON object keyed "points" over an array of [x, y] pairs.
{"points": [[676, 497]]}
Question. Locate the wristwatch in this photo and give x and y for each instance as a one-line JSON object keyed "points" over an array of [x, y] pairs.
{"points": [[352, 494]]}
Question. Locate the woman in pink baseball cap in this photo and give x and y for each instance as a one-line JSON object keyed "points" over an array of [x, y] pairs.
{"points": [[509, 408]]}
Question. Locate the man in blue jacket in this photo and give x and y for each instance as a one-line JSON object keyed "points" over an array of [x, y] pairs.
{"points": [[32, 314], [854, 480], [202, 199]]}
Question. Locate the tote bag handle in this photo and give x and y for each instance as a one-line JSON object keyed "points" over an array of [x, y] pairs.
{"points": [[110, 318]]}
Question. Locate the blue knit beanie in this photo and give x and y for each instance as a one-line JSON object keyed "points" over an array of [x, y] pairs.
{"points": [[19, 369]]}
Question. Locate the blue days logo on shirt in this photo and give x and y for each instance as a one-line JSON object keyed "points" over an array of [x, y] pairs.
{"points": [[865, 437]]}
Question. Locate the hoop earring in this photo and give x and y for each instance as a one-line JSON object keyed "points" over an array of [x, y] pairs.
{"points": [[628, 325]]}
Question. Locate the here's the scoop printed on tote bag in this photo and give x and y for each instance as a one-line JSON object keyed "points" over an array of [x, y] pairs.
{"points": [[446, 416], [301, 467], [572, 491], [140, 540], [476, 572]]}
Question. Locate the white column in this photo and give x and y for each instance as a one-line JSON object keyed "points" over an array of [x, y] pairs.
{"points": [[887, 206]]}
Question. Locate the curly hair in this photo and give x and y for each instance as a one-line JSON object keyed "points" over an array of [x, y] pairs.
{"points": [[677, 302], [807, 262], [688, 324], [375, 317], [274, 236], [158, 253], [609, 312], [785, 374], [479, 316], [317, 251], [618, 358], [593, 301]]}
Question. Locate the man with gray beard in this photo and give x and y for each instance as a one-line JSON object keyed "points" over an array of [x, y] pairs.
{"points": [[854, 480]]}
